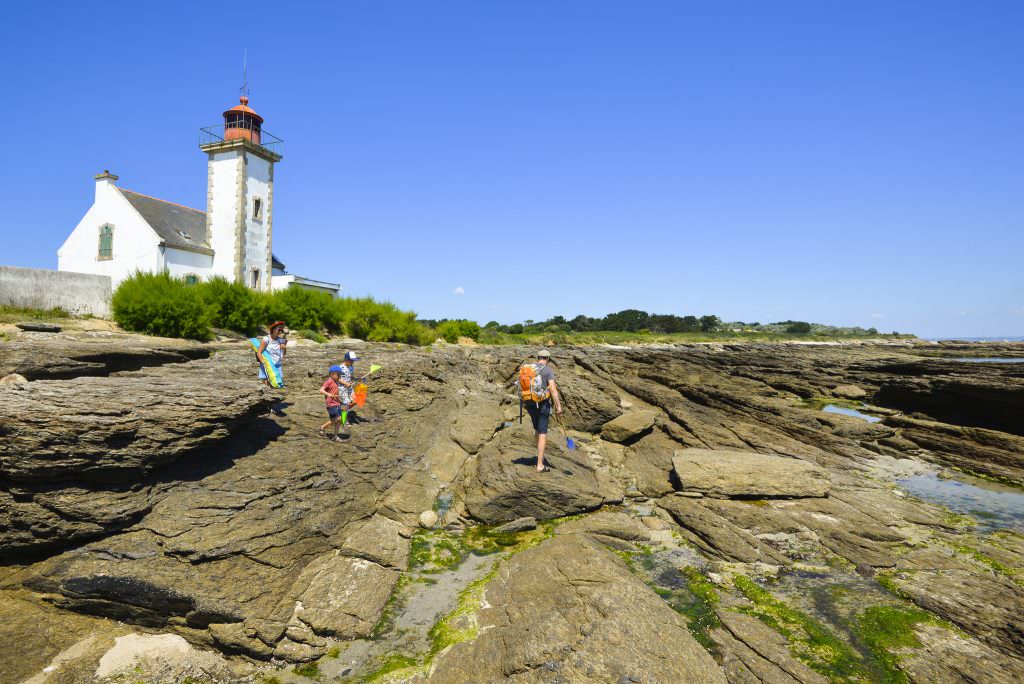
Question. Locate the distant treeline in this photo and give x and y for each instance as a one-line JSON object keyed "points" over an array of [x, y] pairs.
{"points": [[636, 321]]}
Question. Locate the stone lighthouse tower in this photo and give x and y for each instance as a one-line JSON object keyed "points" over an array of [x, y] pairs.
{"points": [[240, 195]]}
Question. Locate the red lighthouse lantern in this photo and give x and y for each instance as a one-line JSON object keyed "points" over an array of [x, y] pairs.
{"points": [[241, 122]]}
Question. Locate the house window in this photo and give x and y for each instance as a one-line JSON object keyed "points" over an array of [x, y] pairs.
{"points": [[257, 209], [106, 242], [191, 279], [255, 278]]}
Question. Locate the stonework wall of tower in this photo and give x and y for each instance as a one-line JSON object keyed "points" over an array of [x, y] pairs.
{"points": [[256, 220], [222, 211]]}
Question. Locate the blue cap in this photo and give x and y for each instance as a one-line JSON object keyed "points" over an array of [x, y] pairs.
{"points": [[351, 356], [334, 369]]}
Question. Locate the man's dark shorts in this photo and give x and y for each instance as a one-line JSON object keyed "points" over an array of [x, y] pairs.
{"points": [[539, 414], [334, 412]]}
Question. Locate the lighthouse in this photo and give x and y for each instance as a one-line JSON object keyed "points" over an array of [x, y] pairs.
{"points": [[240, 195]]}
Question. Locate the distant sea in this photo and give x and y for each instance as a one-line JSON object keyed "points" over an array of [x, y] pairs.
{"points": [[974, 339]]}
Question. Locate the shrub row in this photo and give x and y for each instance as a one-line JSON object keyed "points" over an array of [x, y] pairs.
{"points": [[158, 304]]}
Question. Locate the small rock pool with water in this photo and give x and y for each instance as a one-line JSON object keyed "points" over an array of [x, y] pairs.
{"points": [[994, 506], [854, 413]]}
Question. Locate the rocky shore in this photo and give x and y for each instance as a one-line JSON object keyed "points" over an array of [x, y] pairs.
{"points": [[714, 524]]}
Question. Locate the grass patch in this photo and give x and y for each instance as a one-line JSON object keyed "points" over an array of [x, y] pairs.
{"points": [[311, 670], [334, 652], [888, 629], [810, 641], [14, 314]]}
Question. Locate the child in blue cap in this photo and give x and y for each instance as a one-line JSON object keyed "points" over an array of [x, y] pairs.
{"points": [[347, 381], [331, 389]]}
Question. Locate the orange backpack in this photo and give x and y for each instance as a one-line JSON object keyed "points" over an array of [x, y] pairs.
{"points": [[531, 383]]}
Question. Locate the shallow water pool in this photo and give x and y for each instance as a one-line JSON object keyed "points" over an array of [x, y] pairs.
{"points": [[994, 506], [830, 408]]}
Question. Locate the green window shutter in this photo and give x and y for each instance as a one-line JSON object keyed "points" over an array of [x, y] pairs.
{"points": [[107, 242]]}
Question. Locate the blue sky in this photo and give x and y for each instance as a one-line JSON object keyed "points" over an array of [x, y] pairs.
{"points": [[849, 163]]}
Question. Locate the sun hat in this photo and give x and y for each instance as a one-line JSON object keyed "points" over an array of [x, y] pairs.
{"points": [[543, 354], [334, 369], [351, 356]]}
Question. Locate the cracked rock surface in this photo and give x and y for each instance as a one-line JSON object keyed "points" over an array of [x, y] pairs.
{"points": [[154, 492]]}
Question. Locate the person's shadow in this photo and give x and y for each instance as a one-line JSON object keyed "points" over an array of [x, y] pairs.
{"points": [[532, 462]]}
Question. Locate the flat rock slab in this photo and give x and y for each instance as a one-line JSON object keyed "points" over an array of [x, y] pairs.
{"points": [[507, 486], [628, 426], [570, 611], [39, 327], [117, 428], [725, 473]]}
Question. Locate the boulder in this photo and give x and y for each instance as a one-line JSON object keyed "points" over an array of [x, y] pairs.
{"points": [[428, 519], [600, 623], [475, 424], [608, 524], [343, 597], [849, 392], [507, 486], [589, 401], [628, 426], [748, 474], [379, 539], [518, 525]]}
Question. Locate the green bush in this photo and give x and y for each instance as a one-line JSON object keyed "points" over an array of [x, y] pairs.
{"points": [[314, 335], [157, 304], [161, 305], [798, 327], [451, 331], [305, 309], [234, 306]]}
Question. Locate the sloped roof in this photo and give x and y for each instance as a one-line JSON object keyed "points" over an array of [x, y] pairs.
{"points": [[177, 225]]}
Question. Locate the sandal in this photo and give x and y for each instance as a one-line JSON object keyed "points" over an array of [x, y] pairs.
{"points": [[320, 433], [543, 470]]}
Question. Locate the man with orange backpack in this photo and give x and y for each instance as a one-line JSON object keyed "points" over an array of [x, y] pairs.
{"points": [[537, 389]]}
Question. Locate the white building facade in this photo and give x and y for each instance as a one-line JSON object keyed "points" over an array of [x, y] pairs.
{"points": [[125, 231]]}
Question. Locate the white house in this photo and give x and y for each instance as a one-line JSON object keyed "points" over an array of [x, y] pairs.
{"points": [[125, 231]]}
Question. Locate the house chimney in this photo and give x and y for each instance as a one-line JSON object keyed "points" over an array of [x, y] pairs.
{"points": [[104, 181]]}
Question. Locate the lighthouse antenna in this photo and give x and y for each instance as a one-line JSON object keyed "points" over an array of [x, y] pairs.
{"points": [[244, 90]]}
